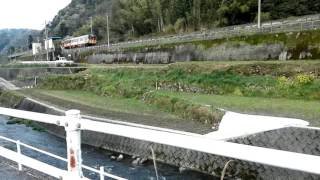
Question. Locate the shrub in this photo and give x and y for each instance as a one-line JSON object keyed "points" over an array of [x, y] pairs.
{"points": [[185, 109], [10, 99], [237, 92], [303, 79], [283, 82], [109, 90]]}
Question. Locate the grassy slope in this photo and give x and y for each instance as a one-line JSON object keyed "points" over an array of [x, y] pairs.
{"points": [[252, 87], [129, 110], [126, 105], [307, 110]]}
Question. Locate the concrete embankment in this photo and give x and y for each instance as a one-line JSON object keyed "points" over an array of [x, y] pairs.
{"points": [[190, 159], [27, 76]]}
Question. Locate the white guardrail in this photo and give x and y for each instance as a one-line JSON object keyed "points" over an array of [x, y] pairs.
{"points": [[73, 124]]}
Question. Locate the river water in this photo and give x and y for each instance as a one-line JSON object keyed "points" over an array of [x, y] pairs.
{"points": [[91, 156]]}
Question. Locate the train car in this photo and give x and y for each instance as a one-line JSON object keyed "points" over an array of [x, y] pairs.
{"points": [[81, 41]]}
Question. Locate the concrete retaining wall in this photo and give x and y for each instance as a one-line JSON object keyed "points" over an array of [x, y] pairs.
{"points": [[20, 73], [25, 76]]}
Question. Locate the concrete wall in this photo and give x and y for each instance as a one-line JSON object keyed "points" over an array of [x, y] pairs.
{"points": [[25, 76], [19, 73]]}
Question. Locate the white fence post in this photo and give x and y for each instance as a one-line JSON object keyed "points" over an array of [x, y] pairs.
{"points": [[73, 137], [19, 152], [101, 173]]}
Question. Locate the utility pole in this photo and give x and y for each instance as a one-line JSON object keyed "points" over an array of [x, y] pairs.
{"points": [[259, 14], [46, 40], [91, 25], [108, 31]]}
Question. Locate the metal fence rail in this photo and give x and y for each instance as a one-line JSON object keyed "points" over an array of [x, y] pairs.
{"points": [[32, 163], [101, 171], [73, 145], [73, 124], [303, 23]]}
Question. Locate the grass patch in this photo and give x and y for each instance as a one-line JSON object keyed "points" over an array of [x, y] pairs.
{"points": [[150, 104], [124, 109], [250, 80], [307, 110], [10, 99], [185, 108], [127, 105]]}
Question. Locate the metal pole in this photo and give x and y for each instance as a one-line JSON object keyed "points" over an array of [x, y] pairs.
{"points": [[108, 30], [73, 137], [101, 173], [46, 41], [154, 162], [35, 81], [91, 25], [259, 14]]}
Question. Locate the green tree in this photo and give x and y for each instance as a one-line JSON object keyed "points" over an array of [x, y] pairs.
{"points": [[30, 41], [63, 29]]}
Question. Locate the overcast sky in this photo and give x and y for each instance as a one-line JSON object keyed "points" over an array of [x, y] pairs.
{"points": [[29, 13]]}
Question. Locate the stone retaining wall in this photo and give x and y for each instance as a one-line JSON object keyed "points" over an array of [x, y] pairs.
{"points": [[294, 139], [188, 52]]}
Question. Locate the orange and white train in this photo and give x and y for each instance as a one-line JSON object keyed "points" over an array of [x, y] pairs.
{"points": [[81, 41]]}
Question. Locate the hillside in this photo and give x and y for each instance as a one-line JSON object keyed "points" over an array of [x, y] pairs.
{"points": [[15, 40], [134, 18], [75, 18]]}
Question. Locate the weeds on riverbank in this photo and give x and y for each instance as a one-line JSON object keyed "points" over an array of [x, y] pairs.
{"points": [[35, 126], [185, 109], [260, 81], [245, 80], [10, 99]]}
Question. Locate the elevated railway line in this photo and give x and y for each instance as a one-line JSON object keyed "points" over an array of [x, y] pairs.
{"points": [[294, 24], [303, 23]]}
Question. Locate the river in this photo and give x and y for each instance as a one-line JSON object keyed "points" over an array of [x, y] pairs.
{"points": [[92, 157]]}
